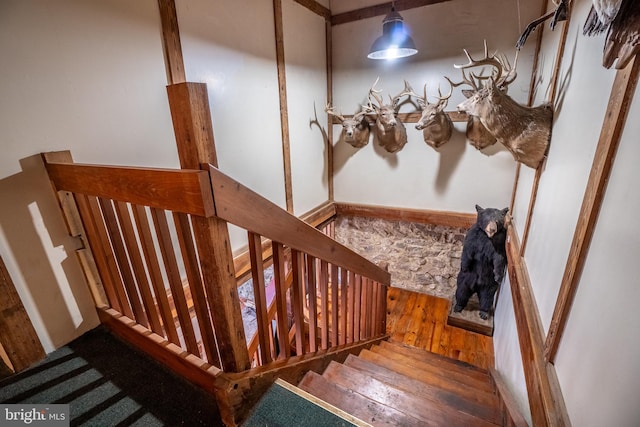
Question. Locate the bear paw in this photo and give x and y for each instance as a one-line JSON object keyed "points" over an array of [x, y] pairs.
{"points": [[457, 308], [484, 315]]}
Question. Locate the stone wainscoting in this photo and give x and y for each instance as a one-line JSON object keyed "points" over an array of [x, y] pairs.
{"points": [[421, 257]]}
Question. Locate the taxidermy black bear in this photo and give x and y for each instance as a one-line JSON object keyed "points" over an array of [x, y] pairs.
{"points": [[483, 260]]}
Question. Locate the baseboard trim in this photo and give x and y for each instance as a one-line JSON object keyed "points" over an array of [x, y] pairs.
{"points": [[446, 218], [545, 397]]}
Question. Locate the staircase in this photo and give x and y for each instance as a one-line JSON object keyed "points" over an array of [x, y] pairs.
{"points": [[393, 384]]}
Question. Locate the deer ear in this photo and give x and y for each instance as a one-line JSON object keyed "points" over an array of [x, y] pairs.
{"points": [[468, 93]]}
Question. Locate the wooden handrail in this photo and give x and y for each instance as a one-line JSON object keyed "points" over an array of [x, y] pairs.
{"points": [[131, 216], [183, 191], [243, 207]]}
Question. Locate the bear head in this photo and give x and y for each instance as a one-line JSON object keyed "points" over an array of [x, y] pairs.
{"points": [[492, 220]]}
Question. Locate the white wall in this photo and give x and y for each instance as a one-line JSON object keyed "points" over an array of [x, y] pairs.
{"points": [[89, 76], [581, 104], [508, 360], [597, 359], [306, 66], [457, 176]]}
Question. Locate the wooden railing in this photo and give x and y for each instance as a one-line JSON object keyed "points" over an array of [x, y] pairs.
{"points": [[143, 228]]}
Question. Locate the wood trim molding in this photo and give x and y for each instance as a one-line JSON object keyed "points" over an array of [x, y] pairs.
{"points": [[329, 60], [413, 117], [545, 397], [622, 93], [245, 208], [316, 8], [552, 97], [450, 219], [513, 416], [379, 10], [170, 355], [171, 42], [284, 112]]}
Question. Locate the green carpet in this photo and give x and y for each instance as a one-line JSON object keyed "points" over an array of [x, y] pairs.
{"points": [[106, 382], [280, 407]]}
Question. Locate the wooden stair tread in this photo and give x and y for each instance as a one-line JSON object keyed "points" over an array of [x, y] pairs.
{"points": [[489, 412], [439, 380], [354, 403], [429, 411], [427, 367], [441, 361]]}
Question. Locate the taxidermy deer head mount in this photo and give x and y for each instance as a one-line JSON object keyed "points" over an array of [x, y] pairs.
{"points": [[476, 133], [524, 131], [391, 133], [355, 130], [434, 123]]}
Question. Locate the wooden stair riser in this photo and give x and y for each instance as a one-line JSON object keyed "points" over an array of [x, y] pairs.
{"points": [[477, 396], [448, 374], [438, 361], [424, 390], [355, 404], [436, 413]]}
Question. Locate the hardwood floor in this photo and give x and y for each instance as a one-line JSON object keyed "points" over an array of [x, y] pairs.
{"points": [[420, 320]]}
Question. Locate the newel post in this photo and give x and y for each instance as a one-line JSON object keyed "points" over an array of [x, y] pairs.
{"points": [[194, 137]]}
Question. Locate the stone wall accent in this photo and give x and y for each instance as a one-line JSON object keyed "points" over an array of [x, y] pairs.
{"points": [[422, 257]]}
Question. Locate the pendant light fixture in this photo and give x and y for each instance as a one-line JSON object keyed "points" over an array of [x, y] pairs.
{"points": [[395, 41]]}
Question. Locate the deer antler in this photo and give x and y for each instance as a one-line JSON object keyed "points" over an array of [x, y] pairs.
{"points": [[442, 100], [487, 60], [329, 110], [406, 91], [374, 92], [465, 80], [421, 100]]}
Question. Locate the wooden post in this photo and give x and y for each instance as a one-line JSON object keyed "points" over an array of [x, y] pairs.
{"points": [[76, 229], [194, 137], [18, 337], [284, 112]]}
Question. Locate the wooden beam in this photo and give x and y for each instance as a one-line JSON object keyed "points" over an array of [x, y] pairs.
{"points": [[380, 10], [532, 86], [414, 117], [329, 60], [194, 137], [184, 191], [316, 8], [284, 112], [552, 97], [192, 125], [17, 335], [622, 92], [171, 42], [76, 229]]}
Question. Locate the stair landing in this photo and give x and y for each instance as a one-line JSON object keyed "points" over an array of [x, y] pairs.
{"points": [[420, 320]]}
